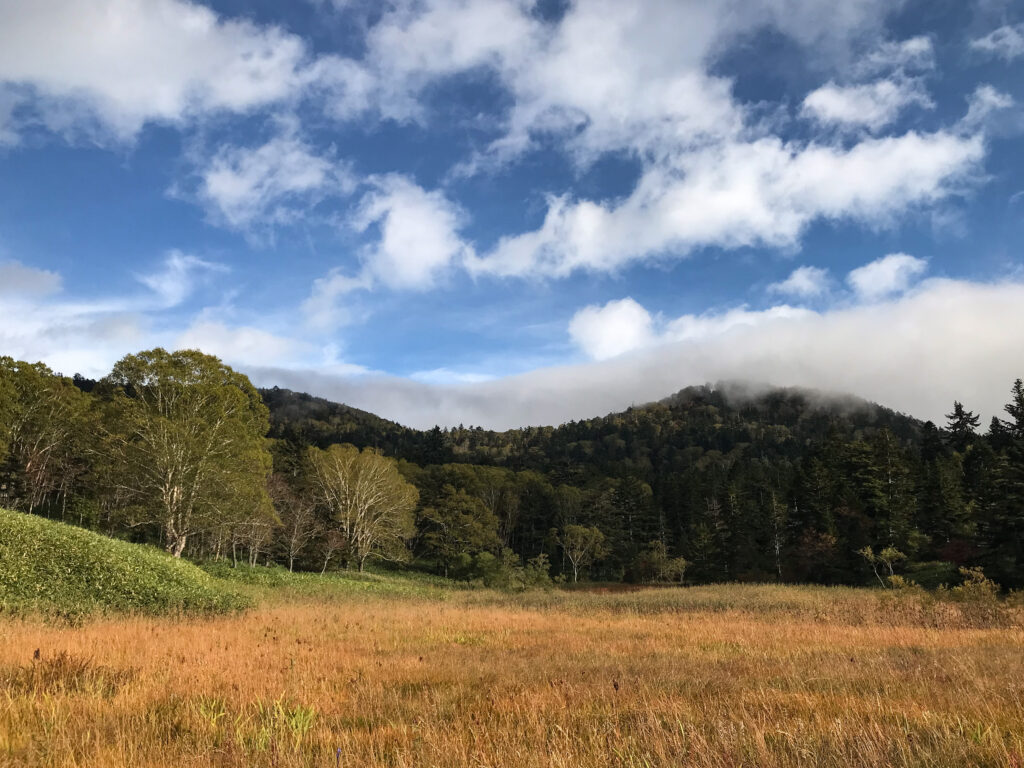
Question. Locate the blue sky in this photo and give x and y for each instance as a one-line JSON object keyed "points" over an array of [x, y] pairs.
{"points": [[504, 212]]}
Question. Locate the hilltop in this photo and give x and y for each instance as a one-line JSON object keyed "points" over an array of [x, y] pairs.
{"points": [[710, 417]]}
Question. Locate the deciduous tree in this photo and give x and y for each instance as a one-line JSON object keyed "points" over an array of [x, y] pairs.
{"points": [[369, 502], [582, 547], [186, 437]]}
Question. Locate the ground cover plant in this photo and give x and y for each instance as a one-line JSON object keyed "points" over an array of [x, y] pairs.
{"points": [[62, 571], [426, 676]]}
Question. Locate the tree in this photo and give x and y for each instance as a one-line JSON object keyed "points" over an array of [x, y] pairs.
{"points": [[887, 558], [185, 435], [368, 500], [961, 425], [7, 406], [652, 564], [297, 513], [458, 524], [582, 546], [1015, 409], [1002, 502], [43, 433]]}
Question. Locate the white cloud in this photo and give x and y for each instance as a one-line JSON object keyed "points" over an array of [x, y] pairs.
{"points": [[915, 53], [962, 339], [803, 282], [87, 336], [609, 75], [272, 184], [415, 242], [8, 124], [710, 324], [608, 331], [321, 310], [762, 193], [417, 43], [989, 110], [448, 377], [124, 63], [624, 326], [872, 105], [636, 78], [176, 281], [18, 280], [243, 345], [1006, 43], [883, 277], [419, 238]]}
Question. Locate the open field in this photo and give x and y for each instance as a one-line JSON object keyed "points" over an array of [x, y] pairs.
{"points": [[705, 676]]}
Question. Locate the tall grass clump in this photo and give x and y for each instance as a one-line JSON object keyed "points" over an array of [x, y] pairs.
{"points": [[51, 569]]}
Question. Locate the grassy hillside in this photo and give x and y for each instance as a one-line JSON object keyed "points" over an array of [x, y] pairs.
{"points": [[55, 569]]}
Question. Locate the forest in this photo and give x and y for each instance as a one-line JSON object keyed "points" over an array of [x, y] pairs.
{"points": [[716, 483]]}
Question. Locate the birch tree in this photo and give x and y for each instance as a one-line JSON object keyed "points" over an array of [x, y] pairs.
{"points": [[297, 512], [43, 431], [369, 502], [185, 436], [582, 545]]}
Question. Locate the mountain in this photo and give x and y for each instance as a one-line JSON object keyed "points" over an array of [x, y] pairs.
{"points": [[720, 417], [746, 482]]}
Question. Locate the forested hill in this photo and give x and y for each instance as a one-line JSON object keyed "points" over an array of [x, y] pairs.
{"points": [[743, 482], [724, 482], [730, 418]]}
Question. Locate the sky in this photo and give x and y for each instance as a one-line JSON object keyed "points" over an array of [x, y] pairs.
{"points": [[514, 212]]}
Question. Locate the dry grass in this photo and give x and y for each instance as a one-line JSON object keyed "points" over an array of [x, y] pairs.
{"points": [[482, 680]]}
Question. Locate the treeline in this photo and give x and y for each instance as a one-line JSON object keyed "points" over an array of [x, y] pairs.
{"points": [[715, 483]]}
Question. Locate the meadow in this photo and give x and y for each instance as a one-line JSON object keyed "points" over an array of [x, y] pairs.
{"points": [[381, 670]]}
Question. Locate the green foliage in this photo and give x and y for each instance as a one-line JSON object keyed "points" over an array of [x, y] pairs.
{"points": [[45, 431], [59, 570], [506, 572], [653, 564], [184, 442], [370, 503], [975, 588], [582, 545], [457, 524], [883, 563]]}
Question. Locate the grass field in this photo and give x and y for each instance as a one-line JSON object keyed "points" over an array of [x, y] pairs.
{"points": [[385, 672]]}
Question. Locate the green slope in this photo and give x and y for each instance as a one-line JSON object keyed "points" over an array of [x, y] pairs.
{"points": [[58, 570]]}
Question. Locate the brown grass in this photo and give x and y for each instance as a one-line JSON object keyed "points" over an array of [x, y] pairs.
{"points": [[482, 680]]}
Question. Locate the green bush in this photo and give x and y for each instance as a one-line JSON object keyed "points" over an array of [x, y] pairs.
{"points": [[932, 575], [59, 570], [505, 572]]}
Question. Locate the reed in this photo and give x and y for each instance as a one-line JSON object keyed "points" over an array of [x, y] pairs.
{"points": [[717, 676]]}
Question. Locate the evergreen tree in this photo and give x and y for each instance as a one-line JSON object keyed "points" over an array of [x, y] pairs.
{"points": [[961, 425]]}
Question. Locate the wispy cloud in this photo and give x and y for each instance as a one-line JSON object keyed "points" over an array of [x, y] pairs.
{"points": [[1006, 42]]}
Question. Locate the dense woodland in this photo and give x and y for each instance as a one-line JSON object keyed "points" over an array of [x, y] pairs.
{"points": [[716, 483]]}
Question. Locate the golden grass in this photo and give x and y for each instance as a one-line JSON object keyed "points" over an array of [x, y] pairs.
{"points": [[478, 679]]}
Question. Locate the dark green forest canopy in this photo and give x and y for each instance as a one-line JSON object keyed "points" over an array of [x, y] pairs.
{"points": [[722, 418]]}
